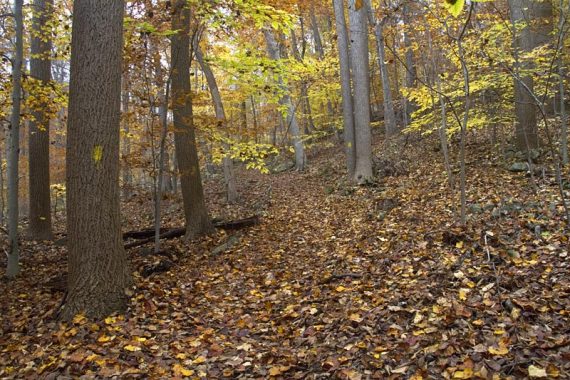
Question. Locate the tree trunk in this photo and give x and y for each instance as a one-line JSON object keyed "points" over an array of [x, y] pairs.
{"points": [[531, 36], [317, 36], [273, 50], [127, 173], [561, 92], [411, 74], [99, 276], [308, 122], [347, 102], [361, 89], [389, 115], [13, 265], [195, 212], [39, 178], [2, 201], [227, 163]]}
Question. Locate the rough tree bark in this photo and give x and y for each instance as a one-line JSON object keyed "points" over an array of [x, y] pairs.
{"points": [[347, 102], [227, 163], [99, 276], [195, 211], [39, 177], [13, 264], [361, 90]]}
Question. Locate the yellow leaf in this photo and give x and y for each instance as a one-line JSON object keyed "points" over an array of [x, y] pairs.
{"points": [[130, 347], [356, 317], [459, 244], [501, 350], [103, 339], [467, 373], [340, 288], [199, 360], [179, 370], [358, 4], [79, 319], [276, 371], [97, 153], [463, 294], [534, 371], [110, 320]]}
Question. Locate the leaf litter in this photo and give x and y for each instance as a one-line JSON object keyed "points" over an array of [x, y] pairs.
{"points": [[336, 282]]}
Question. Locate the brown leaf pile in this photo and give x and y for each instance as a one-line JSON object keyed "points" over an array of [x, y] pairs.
{"points": [[336, 282]]}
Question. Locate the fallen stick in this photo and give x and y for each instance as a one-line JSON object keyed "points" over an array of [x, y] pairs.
{"points": [[178, 232]]}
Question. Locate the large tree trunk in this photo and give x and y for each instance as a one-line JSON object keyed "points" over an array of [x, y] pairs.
{"points": [[531, 36], [39, 178], [361, 90], [13, 265], [99, 276], [127, 172], [227, 163], [347, 104], [195, 212], [389, 115], [273, 50]]}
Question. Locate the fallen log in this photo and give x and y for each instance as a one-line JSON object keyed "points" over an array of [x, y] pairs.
{"points": [[169, 234], [238, 224], [142, 234], [178, 232]]}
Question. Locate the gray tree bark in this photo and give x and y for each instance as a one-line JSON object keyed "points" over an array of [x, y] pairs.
{"points": [[347, 101], [13, 264], [361, 90], [531, 36], [39, 177], [411, 73], [195, 212], [99, 276], [273, 51], [389, 115], [227, 163]]}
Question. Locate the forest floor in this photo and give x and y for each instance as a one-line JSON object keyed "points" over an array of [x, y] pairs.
{"points": [[337, 281]]}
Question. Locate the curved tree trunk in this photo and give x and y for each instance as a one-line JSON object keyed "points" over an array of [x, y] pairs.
{"points": [[195, 212], [361, 83], [99, 276], [227, 163], [39, 178]]}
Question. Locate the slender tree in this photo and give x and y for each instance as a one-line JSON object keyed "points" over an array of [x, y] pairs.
{"points": [[13, 265], [273, 51], [39, 177], [347, 104], [195, 212], [389, 115], [99, 276], [361, 90], [227, 163]]}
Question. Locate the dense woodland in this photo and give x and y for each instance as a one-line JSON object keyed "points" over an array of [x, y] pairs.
{"points": [[286, 189]]}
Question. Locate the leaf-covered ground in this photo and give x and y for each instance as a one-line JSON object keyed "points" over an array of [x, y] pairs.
{"points": [[336, 282]]}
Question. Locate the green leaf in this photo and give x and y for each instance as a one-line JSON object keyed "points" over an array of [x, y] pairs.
{"points": [[454, 6]]}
